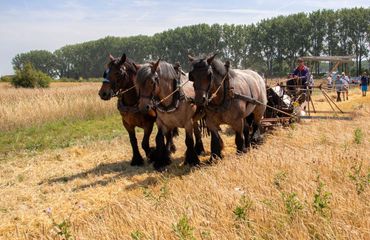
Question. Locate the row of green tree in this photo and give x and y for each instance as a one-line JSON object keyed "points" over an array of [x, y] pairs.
{"points": [[270, 46]]}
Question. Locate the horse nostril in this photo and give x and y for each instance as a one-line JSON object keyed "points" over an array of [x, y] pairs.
{"points": [[147, 107], [204, 99]]}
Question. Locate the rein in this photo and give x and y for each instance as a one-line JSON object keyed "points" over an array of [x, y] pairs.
{"points": [[120, 92], [172, 93]]}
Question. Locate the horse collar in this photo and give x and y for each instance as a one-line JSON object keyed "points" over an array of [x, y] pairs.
{"points": [[177, 97]]}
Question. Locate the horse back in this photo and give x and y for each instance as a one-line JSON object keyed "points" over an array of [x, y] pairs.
{"points": [[249, 83]]}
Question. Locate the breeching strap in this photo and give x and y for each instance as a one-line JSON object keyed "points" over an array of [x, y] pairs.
{"points": [[255, 101]]}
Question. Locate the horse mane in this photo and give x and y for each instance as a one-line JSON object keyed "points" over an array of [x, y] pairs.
{"points": [[165, 71], [217, 66], [144, 72], [129, 64]]}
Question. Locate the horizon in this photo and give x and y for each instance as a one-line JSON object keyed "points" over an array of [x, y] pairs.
{"points": [[48, 25]]}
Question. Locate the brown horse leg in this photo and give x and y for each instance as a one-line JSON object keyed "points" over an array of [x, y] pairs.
{"points": [[160, 156], [191, 156], [216, 145], [170, 146], [239, 136], [145, 142], [199, 148], [256, 135], [247, 141], [137, 160]]}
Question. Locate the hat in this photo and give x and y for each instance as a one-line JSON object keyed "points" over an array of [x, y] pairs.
{"points": [[343, 73]]}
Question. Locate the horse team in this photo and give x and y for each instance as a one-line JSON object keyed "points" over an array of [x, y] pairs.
{"points": [[162, 93]]}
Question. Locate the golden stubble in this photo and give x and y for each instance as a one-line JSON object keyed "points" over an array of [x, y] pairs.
{"points": [[94, 187]]}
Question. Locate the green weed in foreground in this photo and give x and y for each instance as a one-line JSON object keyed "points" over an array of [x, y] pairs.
{"points": [[358, 136], [183, 230], [321, 202], [361, 180], [60, 134]]}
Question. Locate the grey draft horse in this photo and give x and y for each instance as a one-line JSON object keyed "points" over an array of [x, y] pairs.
{"points": [[157, 81], [228, 97]]}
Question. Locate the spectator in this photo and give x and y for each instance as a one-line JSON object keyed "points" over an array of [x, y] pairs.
{"points": [[330, 80], [345, 86], [338, 87], [364, 82]]}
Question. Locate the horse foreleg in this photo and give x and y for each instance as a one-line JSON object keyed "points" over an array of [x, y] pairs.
{"points": [[199, 148], [246, 134], [137, 159], [170, 146], [160, 156], [145, 142], [216, 145], [191, 156]]}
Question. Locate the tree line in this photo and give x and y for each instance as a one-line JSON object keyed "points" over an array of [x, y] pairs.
{"points": [[270, 46]]}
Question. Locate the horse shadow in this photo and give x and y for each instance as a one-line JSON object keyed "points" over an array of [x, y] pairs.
{"points": [[123, 169]]}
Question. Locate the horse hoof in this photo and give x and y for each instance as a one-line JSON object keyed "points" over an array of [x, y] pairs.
{"points": [[193, 162], [161, 166], [173, 148], [137, 162], [241, 152], [199, 149]]}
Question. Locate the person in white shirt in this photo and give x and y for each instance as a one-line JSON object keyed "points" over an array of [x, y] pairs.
{"points": [[330, 80], [345, 82]]}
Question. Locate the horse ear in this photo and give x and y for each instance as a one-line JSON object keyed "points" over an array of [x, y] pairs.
{"points": [[123, 58], [177, 66], [111, 57], [191, 58], [137, 66], [227, 64], [155, 66], [210, 59]]}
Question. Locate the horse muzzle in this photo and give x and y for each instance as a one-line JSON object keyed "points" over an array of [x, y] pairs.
{"points": [[201, 100], [105, 95]]}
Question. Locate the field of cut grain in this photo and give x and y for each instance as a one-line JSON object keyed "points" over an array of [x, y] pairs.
{"points": [[307, 181]]}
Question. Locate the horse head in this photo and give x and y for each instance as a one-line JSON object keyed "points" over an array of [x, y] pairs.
{"points": [[147, 85], [201, 74], [116, 77]]}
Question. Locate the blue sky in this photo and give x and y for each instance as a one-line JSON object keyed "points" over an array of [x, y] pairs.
{"points": [[49, 24]]}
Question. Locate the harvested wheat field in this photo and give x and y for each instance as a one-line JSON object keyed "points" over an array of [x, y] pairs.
{"points": [[307, 181]]}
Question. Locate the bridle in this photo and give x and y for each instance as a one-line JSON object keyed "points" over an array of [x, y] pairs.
{"points": [[209, 70], [122, 75], [155, 80]]}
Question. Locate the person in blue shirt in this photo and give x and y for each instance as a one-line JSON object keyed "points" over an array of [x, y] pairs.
{"points": [[364, 83], [302, 72]]}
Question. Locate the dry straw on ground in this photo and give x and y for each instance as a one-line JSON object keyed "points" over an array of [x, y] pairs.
{"points": [[28, 107], [95, 191]]}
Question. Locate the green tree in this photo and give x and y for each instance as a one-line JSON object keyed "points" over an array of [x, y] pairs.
{"points": [[28, 77], [41, 60]]}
